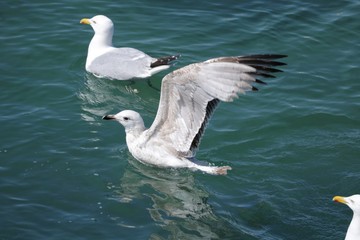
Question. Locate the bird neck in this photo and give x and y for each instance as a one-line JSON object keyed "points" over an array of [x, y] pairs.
{"points": [[102, 40], [353, 231], [99, 44], [133, 138], [135, 131]]}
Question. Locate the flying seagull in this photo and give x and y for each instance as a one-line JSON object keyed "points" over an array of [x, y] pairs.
{"points": [[188, 98], [353, 232], [104, 60]]}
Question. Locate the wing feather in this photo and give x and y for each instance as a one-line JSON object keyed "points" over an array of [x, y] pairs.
{"points": [[121, 63], [190, 95]]}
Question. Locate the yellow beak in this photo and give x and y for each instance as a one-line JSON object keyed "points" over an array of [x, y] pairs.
{"points": [[339, 199], [85, 21]]}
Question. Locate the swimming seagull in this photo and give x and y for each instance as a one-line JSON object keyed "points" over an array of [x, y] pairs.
{"points": [[353, 232], [188, 98], [104, 60]]}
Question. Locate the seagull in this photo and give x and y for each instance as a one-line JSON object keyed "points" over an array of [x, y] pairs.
{"points": [[105, 61], [188, 99], [353, 232]]}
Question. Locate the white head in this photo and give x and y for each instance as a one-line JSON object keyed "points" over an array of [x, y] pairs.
{"points": [[101, 24], [131, 120], [102, 40], [353, 202]]}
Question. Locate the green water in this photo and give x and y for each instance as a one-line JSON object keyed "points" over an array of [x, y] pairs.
{"points": [[66, 174]]}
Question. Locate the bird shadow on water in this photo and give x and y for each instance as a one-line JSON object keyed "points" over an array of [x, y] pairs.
{"points": [[179, 205]]}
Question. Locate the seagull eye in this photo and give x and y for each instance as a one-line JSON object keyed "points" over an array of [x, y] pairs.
{"points": [[94, 21], [126, 118]]}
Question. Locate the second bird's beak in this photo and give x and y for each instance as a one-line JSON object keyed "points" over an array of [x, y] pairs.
{"points": [[108, 117], [85, 21], [339, 199]]}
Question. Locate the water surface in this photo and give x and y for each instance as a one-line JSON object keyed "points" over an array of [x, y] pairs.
{"points": [[66, 174]]}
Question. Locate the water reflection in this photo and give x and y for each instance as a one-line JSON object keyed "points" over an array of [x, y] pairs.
{"points": [[99, 96], [179, 204]]}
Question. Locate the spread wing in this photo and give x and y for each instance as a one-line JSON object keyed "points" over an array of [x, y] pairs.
{"points": [[190, 95]]}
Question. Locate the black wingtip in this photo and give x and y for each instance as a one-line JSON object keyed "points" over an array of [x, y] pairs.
{"points": [[165, 60], [260, 82], [265, 56], [264, 65], [254, 89], [265, 75], [265, 68]]}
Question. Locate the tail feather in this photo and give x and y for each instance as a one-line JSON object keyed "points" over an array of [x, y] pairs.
{"points": [[212, 169], [164, 61]]}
